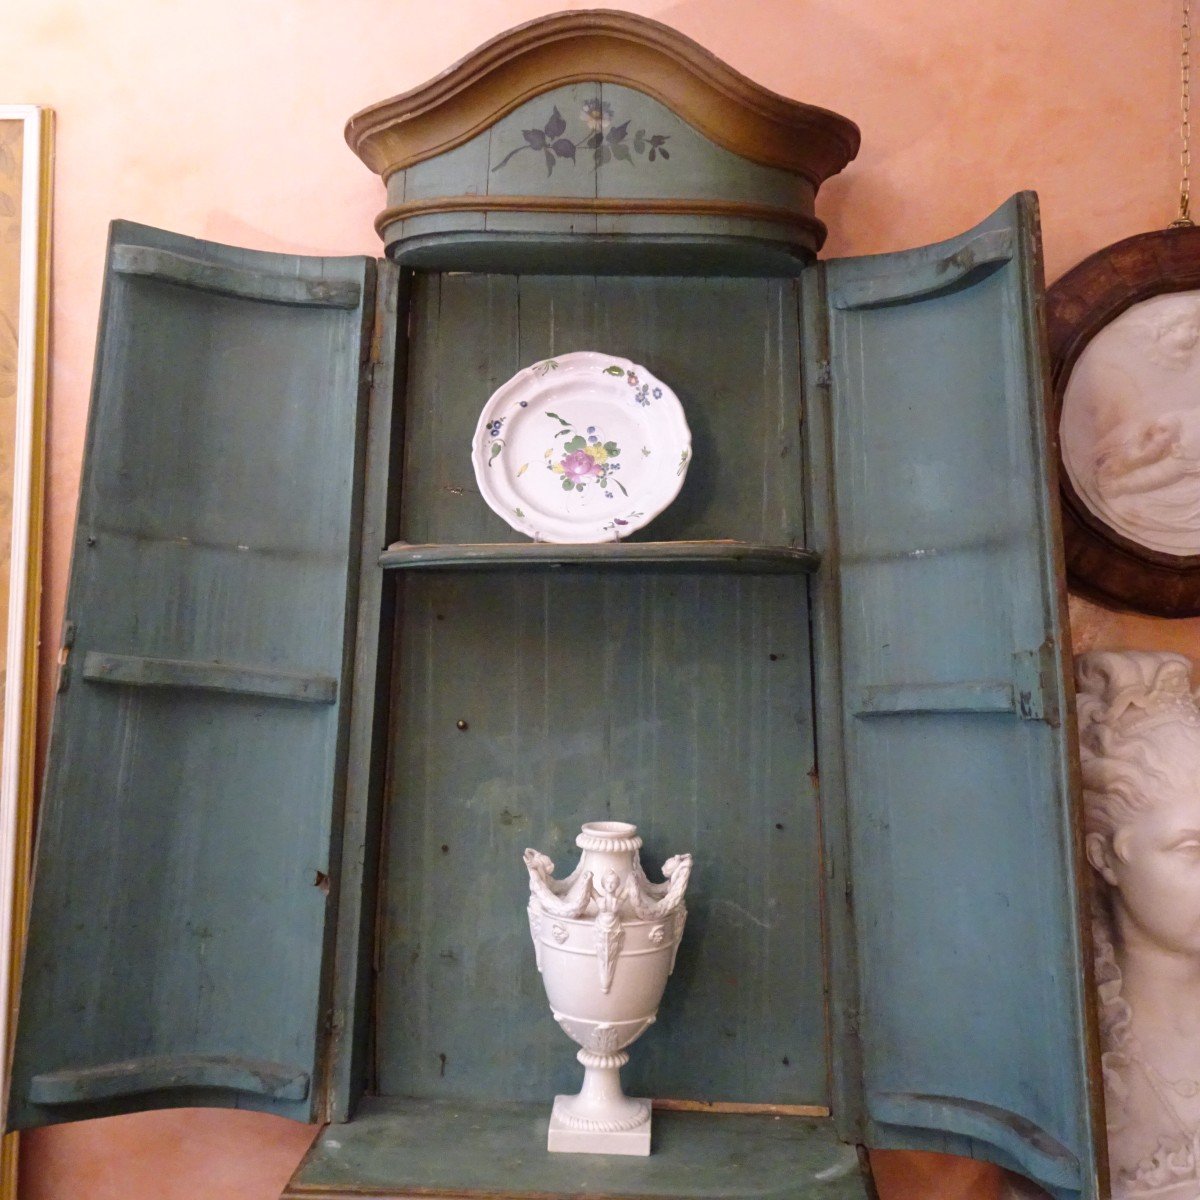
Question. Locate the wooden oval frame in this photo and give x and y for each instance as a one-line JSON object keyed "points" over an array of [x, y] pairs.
{"points": [[1102, 564]]}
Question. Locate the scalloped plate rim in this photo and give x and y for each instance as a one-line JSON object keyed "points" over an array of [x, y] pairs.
{"points": [[536, 380]]}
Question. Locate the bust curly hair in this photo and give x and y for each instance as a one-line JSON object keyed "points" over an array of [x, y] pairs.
{"points": [[1139, 732], [1139, 741]]}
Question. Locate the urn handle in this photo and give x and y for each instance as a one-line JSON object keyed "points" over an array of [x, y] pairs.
{"points": [[564, 898], [653, 901]]}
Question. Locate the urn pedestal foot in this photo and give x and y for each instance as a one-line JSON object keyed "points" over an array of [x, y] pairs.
{"points": [[601, 1119], [605, 939]]}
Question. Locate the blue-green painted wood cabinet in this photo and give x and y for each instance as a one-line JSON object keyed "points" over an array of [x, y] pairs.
{"points": [[313, 702]]}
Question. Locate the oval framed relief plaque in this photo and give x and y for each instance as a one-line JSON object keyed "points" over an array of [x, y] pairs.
{"points": [[1124, 331]]}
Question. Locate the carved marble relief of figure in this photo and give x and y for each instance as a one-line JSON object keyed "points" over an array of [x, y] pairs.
{"points": [[1139, 734], [1130, 426]]}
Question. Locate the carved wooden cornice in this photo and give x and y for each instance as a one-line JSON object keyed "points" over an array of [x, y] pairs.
{"points": [[800, 223], [606, 47]]}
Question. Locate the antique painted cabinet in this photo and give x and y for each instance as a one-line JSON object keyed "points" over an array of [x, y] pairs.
{"points": [[315, 697]]}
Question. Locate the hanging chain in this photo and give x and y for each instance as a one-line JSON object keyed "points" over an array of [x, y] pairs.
{"points": [[1185, 124]]}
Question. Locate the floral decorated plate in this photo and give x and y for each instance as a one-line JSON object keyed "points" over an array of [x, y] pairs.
{"points": [[585, 447]]}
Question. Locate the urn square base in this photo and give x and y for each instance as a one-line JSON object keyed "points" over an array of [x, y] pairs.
{"points": [[565, 1139]]}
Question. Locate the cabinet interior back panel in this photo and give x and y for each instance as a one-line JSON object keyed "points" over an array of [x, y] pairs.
{"points": [[529, 703], [728, 348]]}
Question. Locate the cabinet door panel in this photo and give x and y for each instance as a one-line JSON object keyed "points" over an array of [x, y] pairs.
{"points": [[177, 944], [943, 634]]}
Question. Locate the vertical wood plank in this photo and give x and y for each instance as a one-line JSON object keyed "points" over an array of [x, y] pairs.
{"points": [[356, 880], [464, 343]]}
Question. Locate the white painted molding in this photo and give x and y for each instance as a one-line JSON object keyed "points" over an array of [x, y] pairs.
{"points": [[29, 340]]}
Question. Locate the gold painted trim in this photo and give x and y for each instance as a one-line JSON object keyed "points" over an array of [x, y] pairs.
{"points": [[810, 228], [26, 784], [724, 1106], [598, 46]]}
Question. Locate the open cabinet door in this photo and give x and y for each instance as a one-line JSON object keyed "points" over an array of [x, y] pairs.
{"points": [[180, 926], [947, 756]]}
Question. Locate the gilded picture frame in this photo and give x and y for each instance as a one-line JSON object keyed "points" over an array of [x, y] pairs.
{"points": [[26, 145]]}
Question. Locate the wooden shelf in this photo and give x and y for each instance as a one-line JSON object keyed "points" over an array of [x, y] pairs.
{"points": [[728, 556], [397, 1149]]}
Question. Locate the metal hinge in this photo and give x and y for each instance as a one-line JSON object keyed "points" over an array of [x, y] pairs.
{"points": [[1035, 684], [64, 655]]}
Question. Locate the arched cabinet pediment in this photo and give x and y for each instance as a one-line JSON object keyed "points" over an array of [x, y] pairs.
{"points": [[600, 141]]}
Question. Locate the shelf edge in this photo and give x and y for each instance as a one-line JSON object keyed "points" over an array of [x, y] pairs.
{"points": [[755, 557]]}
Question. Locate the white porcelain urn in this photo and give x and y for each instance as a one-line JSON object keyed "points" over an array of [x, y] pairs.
{"points": [[605, 939]]}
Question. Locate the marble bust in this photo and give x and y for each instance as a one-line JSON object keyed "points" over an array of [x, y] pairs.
{"points": [[1139, 735]]}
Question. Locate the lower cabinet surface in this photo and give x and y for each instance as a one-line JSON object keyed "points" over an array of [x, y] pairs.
{"points": [[398, 1149]]}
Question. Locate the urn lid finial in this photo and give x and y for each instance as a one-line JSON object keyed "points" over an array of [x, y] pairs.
{"points": [[609, 837]]}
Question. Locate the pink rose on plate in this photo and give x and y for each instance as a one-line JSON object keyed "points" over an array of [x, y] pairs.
{"points": [[578, 465]]}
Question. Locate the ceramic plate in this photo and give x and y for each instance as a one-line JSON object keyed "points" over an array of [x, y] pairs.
{"points": [[586, 447]]}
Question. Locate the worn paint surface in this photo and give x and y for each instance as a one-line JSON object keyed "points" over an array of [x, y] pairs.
{"points": [[531, 704], [401, 1147], [741, 392], [178, 933], [942, 612], [606, 143]]}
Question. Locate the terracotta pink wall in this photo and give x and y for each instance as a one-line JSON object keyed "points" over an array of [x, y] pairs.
{"points": [[224, 120]]}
